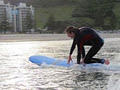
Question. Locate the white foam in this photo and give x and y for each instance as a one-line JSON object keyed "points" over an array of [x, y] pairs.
{"points": [[113, 83], [113, 68]]}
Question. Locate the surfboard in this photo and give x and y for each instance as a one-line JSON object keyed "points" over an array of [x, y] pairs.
{"points": [[39, 59]]}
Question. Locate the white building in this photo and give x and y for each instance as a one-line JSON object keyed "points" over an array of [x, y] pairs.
{"points": [[5, 9], [20, 13], [16, 14]]}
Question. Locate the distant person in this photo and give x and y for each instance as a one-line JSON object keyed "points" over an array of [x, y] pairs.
{"points": [[85, 36]]}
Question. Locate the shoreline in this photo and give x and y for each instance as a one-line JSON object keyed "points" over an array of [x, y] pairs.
{"points": [[45, 37], [32, 37]]}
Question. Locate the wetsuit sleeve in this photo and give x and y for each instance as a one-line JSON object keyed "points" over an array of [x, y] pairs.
{"points": [[83, 52], [78, 54], [73, 46]]}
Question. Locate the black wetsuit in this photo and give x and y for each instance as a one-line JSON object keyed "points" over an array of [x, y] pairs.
{"points": [[87, 36]]}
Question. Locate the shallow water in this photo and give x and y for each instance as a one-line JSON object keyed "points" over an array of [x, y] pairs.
{"points": [[17, 73]]}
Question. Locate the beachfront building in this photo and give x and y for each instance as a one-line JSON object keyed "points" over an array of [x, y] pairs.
{"points": [[19, 16], [16, 15], [5, 11]]}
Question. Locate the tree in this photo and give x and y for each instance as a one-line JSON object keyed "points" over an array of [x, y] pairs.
{"points": [[98, 10], [29, 22], [5, 24], [50, 23]]}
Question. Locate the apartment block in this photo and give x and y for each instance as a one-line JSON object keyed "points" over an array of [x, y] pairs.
{"points": [[16, 15]]}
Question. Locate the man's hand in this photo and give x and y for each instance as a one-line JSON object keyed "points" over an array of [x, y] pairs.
{"points": [[69, 59], [82, 61]]}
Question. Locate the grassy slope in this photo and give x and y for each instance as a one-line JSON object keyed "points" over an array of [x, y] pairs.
{"points": [[61, 13], [117, 10]]}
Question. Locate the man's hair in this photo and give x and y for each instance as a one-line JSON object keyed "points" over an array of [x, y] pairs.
{"points": [[71, 29]]}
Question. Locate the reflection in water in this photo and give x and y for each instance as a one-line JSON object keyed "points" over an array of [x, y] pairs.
{"points": [[92, 80], [91, 76], [17, 73]]}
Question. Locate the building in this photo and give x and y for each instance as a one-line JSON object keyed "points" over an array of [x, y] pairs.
{"points": [[5, 10], [20, 14], [16, 15]]}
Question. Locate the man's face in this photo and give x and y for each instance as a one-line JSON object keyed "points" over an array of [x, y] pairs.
{"points": [[71, 35]]}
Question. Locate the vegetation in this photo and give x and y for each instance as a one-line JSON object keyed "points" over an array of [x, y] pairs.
{"points": [[100, 11], [58, 14], [29, 22], [5, 24]]}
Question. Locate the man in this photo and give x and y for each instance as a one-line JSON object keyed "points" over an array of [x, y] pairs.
{"points": [[85, 36]]}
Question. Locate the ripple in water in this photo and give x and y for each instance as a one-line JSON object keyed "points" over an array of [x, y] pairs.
{"points": [[17, 73]]}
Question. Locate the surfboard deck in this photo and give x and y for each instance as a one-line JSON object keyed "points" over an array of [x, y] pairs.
{"points": [[38, 59]]}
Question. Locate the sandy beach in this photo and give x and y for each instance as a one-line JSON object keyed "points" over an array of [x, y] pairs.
{"points": [[45, 37]]}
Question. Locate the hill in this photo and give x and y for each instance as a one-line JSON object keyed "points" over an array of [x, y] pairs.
{"points": [[61, 9]]}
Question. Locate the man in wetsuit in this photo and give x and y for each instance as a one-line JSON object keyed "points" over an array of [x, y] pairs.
{"points": [[85, 36]]}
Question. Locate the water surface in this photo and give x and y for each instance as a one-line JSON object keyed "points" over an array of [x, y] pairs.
{"points": [[17, 73]]}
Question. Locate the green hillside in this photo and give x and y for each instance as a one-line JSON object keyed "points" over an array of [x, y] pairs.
{"points": [[62, 10], [60, 13], [117, 10]]}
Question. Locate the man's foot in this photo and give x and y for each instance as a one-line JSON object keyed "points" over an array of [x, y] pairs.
{"points": [[107, 62]]}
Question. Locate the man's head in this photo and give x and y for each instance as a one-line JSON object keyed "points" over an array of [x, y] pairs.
{"points": [[70, 31]]}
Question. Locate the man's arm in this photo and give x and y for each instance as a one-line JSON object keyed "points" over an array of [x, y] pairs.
{"points": [[78, 54], [71, 51], [73, 47], [83, 52]]}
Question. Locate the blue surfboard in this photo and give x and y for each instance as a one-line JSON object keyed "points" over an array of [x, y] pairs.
{"points": [[38, 59]]}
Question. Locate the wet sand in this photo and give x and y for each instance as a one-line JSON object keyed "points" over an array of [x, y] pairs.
{"points": [[45, 37]]}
